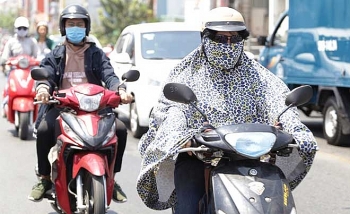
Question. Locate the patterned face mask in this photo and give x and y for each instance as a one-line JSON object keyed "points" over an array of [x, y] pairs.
{"points": [[224, 56]]}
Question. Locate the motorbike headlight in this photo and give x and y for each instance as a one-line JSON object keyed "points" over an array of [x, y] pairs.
{"points": [[251, 144], [23, 63], [89, 103]]}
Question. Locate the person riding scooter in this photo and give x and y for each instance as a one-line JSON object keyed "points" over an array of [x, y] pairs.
{"points": [[76, 61], [19, 44], [44, 42], [19, 108], [231, 88]]}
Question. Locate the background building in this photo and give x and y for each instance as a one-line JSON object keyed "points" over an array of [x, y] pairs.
{"points": [[260, 15]]}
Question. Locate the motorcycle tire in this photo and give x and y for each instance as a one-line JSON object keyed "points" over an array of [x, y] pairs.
{"points": [[94, 195], [23, 128]]}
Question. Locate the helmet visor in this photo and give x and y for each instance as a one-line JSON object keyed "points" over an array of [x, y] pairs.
{"points": [[74, 16], [225, 26]]}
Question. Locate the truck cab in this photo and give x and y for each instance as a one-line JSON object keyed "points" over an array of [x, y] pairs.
{"points": [[310, 45]]}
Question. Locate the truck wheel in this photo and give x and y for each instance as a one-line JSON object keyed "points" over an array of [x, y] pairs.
{"points": [[332, 127]]}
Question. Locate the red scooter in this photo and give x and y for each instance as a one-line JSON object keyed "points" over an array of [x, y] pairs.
{"points": [[86, 147], [19, 93]]}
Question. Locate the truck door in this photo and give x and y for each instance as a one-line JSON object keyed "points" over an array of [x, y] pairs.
{"points": [[275, 45], [302, 61]]}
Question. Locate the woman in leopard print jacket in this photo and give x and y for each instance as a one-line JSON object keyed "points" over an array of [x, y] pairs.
{"points": [[231, 88]]}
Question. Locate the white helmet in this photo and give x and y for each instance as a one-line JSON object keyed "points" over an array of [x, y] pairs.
{"points": [[223, 19], [42, 23], [21, 22]]}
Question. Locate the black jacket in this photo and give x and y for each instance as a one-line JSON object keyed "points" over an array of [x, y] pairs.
{"points": [[98, 71], [97, 67]]}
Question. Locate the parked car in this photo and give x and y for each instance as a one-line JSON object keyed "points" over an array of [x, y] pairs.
{"points": [[153, 49]]}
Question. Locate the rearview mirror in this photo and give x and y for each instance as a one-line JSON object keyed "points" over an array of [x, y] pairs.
{"points": [[299, 96], [179, 93], [305, 58], [182, 94], [131, 75], [39, 74]]}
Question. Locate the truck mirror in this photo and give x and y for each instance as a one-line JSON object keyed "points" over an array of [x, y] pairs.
{"points": [[305, 58]]}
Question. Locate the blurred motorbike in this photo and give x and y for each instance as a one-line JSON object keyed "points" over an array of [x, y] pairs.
{"points": [[82, 161], [240, 171], [19, 93]]}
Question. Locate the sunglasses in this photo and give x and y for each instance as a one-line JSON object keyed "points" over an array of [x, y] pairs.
{"points": [[224, 39], [22, 28]]}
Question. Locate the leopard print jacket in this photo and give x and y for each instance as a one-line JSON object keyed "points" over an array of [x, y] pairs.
{"points": [[249, 93]]}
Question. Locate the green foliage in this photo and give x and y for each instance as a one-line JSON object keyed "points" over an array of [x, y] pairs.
{"points": [[7, 19], [117, 14]]}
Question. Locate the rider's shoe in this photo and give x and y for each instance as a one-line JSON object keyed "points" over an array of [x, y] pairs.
{"points": [[39, 189], [118, 195]]}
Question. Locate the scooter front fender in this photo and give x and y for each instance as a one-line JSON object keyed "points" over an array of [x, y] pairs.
{"points": [[23, 104], [250, 186], [95, 163]]}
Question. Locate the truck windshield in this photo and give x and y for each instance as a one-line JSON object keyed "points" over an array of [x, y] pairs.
{"points": [[169, 44], [336, 49]]}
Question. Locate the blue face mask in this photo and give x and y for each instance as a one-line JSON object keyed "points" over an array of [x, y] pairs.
{"points": [[75, 34]]}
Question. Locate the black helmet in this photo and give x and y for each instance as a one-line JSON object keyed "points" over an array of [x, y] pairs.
{"points": [[74, 12]]}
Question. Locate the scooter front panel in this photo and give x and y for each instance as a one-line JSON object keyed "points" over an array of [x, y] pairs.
{"points": [[250, 186]]}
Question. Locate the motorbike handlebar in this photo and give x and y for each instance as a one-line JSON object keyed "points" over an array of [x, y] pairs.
{"points": [[49, 102], [206, 149], [195, 149]]}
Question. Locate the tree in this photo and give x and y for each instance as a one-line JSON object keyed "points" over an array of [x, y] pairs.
{"points": [[117, 14], [7, 19]]}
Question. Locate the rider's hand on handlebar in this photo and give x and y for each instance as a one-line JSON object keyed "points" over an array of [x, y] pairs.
{"points": [[206, 127], [42, 95], [125, 97], [187, 145], [278, 125]]}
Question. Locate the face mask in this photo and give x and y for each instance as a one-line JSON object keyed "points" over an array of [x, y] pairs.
{"points": [[75, 34], [224, 56], [22, 33]]}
